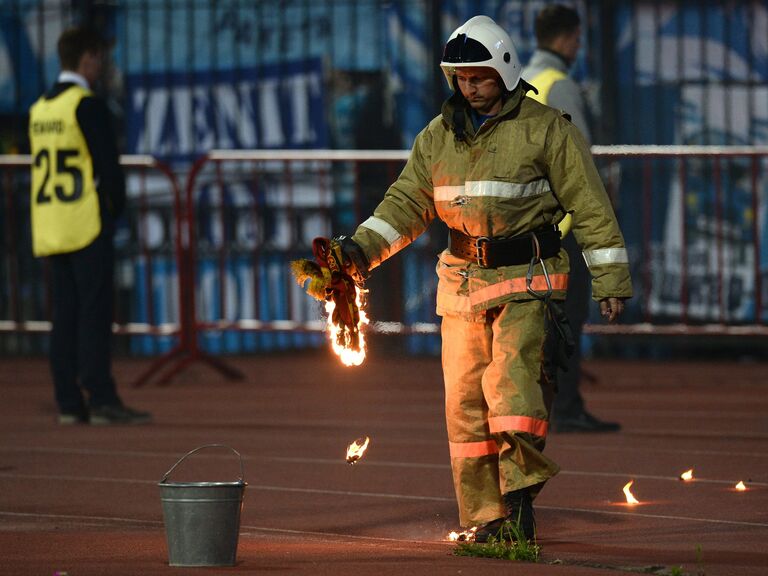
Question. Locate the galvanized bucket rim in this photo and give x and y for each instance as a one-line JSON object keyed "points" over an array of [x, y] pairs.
{"points": [[240, 481], [237, 484]]}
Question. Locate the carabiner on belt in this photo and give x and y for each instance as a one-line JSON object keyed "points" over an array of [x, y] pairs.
{"points": [[536, 250]]}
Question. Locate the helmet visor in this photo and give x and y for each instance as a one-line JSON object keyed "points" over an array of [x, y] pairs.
{"points": [[465, 50]]}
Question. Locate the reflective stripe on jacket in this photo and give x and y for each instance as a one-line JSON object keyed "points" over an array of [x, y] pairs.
{"points": [[523, 169]]}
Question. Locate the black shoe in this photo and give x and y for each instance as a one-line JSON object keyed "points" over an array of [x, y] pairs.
{"points": [[583, 422], [491, 530], [520, 516], [116, 414], [73, 418]]}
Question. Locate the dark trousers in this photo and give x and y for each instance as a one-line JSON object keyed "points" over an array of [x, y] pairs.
{"points": [[568, 401], [80, 354]]}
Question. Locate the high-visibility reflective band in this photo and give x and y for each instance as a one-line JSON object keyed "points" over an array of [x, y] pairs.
{"points": [[383, 229], [516, 285], [533, 426], [448, 193], [492, 188], [605, 256], [453, 302], [473, 449]]}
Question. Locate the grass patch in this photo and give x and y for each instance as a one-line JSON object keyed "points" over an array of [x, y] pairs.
{"points": [[519, 548]]}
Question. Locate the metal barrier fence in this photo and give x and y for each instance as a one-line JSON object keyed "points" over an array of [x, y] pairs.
{"points": [[694, 219], [150, 268], [692, 216]]}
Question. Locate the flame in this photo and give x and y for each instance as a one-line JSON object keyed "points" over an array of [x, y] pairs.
{"points": [[740, 486], [356, 450], [687, 476], [465, 536], [348, 355], [630, 497]]}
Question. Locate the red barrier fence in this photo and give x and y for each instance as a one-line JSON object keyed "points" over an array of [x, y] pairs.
{"points": [[694, 218], [23, 274], [640, 179]]}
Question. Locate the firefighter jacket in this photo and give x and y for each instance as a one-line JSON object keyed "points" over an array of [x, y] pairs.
{"points": [[523, 169]]}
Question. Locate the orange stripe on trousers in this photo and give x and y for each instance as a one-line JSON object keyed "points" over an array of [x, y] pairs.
{"points": [[518, 424], [517, 285], [473, 449]]}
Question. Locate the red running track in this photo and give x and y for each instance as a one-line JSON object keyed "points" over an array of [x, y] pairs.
{"points": [[85, 500]]}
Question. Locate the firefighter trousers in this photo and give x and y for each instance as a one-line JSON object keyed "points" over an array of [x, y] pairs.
{"points": [[498, 392]]}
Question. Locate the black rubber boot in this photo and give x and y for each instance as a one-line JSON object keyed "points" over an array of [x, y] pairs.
{"points": [[519, 507], [492, 529]]}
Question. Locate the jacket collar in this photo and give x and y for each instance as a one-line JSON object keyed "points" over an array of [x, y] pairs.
{"points": [[511, 103], [74, 78], [543, 58]]}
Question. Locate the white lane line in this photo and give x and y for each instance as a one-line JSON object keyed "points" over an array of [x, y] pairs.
{"points": [[656, 516], [554, 444], [696, 479], [602, 448], [245, 529], [81, 519], [340, 461], [392, 496]]}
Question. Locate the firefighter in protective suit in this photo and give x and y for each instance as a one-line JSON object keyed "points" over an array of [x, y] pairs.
{"points": [[501, 170]]}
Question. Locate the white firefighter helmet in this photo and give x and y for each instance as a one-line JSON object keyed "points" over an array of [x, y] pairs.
{"points": [[481, 42]]}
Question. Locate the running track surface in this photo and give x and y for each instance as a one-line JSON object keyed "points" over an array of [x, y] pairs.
{"points": [[85, 501]]}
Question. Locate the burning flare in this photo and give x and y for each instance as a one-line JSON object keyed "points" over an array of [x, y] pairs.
{"points": [[687, 476], [344, 350], [630, 497], [356, 450], [740, 486], [465, 536]]}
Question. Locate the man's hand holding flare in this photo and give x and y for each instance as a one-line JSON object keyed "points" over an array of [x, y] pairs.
{"points": [[330, 279]]}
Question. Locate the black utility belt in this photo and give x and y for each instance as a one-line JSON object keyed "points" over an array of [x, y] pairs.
{"points": [[494, 252]]}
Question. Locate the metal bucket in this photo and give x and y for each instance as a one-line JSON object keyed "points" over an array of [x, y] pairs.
{"points": [[202, 519]]}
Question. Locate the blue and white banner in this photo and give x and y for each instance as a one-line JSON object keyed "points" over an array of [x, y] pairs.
{"points": [[694, 75], [179, 116]]}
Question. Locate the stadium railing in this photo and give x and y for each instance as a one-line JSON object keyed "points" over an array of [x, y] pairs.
{"points": [[691, 214], [24, 281], [694, 218]]}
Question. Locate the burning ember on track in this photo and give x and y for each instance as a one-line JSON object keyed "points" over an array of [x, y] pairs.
{"points": [[740, 486], [356, 450], [465, 536], [687, 476], [630, 497], [344, 348]]}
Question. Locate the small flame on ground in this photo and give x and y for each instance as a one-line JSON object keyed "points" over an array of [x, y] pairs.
{"points": [[740, 486], [465, 536], [356, 450], [630, 497], [687, 476], [348, 355]]}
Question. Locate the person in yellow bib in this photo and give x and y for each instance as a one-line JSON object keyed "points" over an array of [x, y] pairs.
{"points": [[558, 38], [78, 190], [501, 170]]}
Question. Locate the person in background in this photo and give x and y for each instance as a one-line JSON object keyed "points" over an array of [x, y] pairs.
{"points": [[78, 190], [501, 170], [558, 38]]}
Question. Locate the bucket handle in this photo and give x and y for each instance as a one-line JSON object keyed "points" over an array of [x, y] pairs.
{"points": [[180, 460]]}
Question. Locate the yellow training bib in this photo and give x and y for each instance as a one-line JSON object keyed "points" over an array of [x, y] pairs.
{"points": [[64, 201], [543, 82]]}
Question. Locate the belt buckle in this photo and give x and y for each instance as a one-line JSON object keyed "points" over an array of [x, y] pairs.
{"points": [[481, 253]]}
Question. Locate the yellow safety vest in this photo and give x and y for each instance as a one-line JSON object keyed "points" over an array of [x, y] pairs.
{"points": [[64, 201], [543, 81]]}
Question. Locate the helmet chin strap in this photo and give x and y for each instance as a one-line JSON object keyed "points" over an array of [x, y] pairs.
{"points": [[459, 119]]}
